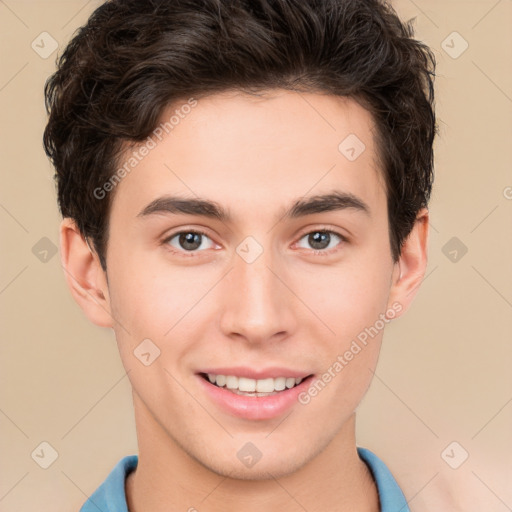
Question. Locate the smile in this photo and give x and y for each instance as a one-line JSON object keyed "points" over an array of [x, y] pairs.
{"points": [[243, 398]]}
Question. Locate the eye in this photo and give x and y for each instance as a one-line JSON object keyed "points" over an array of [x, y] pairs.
{"points": [[320, 240], [188, 241]]}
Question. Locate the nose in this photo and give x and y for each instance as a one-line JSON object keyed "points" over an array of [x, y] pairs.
{"points": [[258, 304]]}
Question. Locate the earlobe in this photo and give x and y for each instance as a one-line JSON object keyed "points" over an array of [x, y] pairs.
{"points": [[410, 270], [84, 275]]}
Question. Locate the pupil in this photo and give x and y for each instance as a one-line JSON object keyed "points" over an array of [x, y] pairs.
{"points": [[190, 240], [319, 238]]}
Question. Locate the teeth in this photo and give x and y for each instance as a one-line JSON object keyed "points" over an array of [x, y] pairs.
{"points": [[245, 384], [231, 382], [280, 383], [253, 386]]}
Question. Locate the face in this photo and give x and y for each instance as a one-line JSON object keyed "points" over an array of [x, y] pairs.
{"points": [[263, 291]]}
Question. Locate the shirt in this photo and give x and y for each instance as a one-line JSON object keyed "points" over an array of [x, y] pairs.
{"points": [[110, 495]]}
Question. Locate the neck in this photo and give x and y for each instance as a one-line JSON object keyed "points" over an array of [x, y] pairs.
{"points": [[168, 479]]}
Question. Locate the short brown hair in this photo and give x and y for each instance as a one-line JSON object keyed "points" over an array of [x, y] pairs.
{"points": [[135, 57]]}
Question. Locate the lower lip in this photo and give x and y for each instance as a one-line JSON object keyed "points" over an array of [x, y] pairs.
{"points": [[257, 407]]}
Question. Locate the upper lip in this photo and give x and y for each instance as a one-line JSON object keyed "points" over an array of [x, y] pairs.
{"points": [[251, 373]]}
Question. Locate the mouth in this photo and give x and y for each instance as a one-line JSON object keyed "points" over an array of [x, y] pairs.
{"points": [[244, 386], [254, 395]]}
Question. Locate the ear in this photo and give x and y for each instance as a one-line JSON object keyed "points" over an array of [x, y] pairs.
{"points": [[410, 269], [84, 275]]}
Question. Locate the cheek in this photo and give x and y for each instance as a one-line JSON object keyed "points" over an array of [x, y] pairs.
{"points": [[149, 296], [348, 297]]}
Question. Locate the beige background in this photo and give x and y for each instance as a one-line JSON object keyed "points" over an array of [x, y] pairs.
{"points": [[444, 373]]}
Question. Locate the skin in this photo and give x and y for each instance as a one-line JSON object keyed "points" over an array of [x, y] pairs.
{"points": [[290, 307]]}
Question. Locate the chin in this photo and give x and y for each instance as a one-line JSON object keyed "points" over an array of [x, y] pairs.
{"points": [[268, 467], [258, 472]]}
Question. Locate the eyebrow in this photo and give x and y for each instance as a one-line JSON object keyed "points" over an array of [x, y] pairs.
{"points": [[334, 201]]}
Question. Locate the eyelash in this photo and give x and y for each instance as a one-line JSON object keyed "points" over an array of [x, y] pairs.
{"points": [[316, 252]]}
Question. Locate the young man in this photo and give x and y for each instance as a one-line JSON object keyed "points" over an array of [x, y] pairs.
{"points": [[244, 188]]}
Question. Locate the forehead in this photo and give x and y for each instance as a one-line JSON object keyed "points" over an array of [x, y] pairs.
{"points": [[249, 152]]}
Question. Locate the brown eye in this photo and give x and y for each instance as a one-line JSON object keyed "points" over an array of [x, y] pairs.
{"points": [[187, 241], [322, 240]]}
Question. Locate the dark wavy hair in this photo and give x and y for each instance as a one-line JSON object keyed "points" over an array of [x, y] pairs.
{"points": [[133, 58]]}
